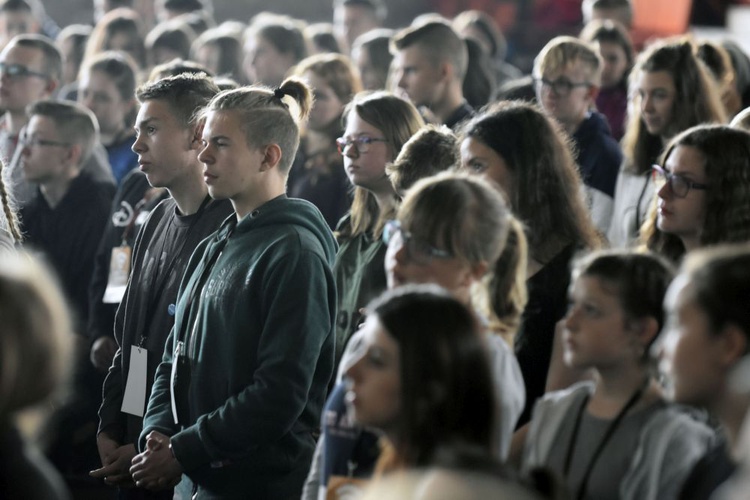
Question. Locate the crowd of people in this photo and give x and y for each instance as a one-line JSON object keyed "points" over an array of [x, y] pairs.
{"points": [[279, 260]]}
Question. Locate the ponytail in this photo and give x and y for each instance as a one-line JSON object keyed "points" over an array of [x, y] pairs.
{"points": [[298, 91], [502, 295], [10, 215]]}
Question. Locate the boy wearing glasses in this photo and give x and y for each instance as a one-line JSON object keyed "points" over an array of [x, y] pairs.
{"points": [[30, 71], [567, 75], [65, 220]]}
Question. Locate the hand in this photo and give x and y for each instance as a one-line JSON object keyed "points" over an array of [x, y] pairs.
{"points": [[156, 468], [102, 352], [115, 459]]}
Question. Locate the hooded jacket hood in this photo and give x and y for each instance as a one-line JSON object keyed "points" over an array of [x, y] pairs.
{"points": [[285, 211]]}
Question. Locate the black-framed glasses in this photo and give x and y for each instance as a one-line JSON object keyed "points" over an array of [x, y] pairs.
{"points": [[417, 250], [362, 142], [678, 185], [32, 142], [18, 71], [561, 86]]}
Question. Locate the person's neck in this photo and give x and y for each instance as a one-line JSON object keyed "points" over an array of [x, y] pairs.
{"points": [[691, 242], [571, 127], [189, 193], [732, 411], [444, 108], [56, 189], [265, 192], [385, 198], [614, 388], [15, 121]]}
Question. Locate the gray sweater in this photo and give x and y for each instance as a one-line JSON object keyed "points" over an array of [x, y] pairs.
{"points": [[670, 444]]}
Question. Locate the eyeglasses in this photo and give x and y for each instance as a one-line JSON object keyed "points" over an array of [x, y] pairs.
{"points": [[561, 87], [418, 251], [32, 142], [362, 142], [18, 71], [678, 185]]}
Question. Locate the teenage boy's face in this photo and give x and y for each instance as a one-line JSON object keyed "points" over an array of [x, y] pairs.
{"points": [[232, 169], [569, 95], [417, 76], [44, 152], [30, 85], [165, 147]]}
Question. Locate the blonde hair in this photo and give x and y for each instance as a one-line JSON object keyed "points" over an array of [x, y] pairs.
{"points": [[563, 51], [266, 114], [35, 345], [11, 219]]}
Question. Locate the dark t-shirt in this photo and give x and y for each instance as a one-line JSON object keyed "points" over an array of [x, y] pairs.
{"points": [[146, 314]]}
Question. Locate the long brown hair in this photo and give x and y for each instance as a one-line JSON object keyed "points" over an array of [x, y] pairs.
{"points": [[726, 152], [547, 188], [447, 394], [697, 100]]}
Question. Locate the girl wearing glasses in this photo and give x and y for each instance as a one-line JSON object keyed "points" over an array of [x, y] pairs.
{"points": [[527, 157], [670, 91], [454, 231], [377, 126], [702, 192]]}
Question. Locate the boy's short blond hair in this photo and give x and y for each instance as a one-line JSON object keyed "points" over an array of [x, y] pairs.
{"points": [[563, 51]]}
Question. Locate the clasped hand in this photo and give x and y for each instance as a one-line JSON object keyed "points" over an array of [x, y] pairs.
{"points": [[156, 468]]}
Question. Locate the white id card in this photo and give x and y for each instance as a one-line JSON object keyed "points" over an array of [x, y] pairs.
{"points": [[119, 270], [134, 400]]}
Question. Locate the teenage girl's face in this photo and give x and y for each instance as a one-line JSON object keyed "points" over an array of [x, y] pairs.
{"points": [[596, 333], [683, 217], [232, 169], [655, 95], [691, 353], [126, 42], [265, 63], [366, 170], [327, 107], [404, 266], [374, 378], [209, 55], [371, 78], [480, 159], [615, 62], [98, 92]]}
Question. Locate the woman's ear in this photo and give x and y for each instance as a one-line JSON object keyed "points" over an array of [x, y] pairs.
{"points": [[479, 269]]}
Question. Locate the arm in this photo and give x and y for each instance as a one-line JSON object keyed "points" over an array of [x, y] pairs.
{"points": [[312, 483], [297, 325]]}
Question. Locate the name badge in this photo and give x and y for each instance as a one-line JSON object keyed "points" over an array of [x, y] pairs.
{"points": [[119, 270], [134, 400]]}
